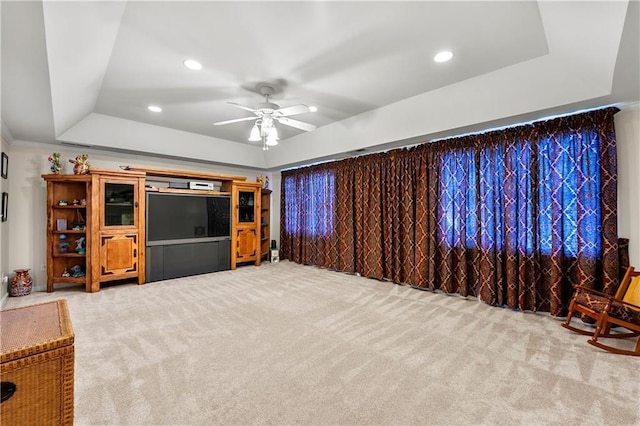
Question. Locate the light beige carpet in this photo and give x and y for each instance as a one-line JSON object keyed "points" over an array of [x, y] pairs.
{"points": [[291, 344]]}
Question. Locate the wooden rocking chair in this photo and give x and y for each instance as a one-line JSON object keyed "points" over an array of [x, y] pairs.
{"points": [[622, 309]]}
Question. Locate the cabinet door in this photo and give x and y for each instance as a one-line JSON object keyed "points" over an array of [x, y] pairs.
{"points": [[246, 206], [118, 256], [120, 203], [245, 235], [246, 243]]}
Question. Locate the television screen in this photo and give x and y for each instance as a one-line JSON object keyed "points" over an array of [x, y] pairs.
{"points": [[173, 217]]}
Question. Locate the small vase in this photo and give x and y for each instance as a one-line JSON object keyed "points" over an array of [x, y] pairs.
{"points": [[21, 283]]}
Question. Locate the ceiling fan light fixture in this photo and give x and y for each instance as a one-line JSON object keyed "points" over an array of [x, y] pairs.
{"points": [[272, 137], [192, 64], [255, 133], [266, 114], [154, 108]]}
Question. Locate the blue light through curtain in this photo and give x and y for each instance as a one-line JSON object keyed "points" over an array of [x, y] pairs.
{"points": [[307, 212], [514, 216]]}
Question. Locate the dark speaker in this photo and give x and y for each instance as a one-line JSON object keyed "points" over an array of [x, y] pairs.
{"points": [[273, 244]]}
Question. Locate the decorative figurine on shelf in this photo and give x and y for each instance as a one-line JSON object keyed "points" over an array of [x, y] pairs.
{"points": [[63, 246], [80, 223], [80, 245], [76, 271], [80, 164], [75, 202], [62, 203], [66, 273], [83, 202], [56, 164], [264, 181]]}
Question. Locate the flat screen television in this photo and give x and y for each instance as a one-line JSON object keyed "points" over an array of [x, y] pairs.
{"points": [[183, 218]]}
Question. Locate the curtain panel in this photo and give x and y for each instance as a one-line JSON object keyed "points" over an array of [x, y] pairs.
{"points": [[514, 216]]}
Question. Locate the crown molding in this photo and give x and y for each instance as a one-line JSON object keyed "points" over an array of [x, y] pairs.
{"points": [[629, 106]]}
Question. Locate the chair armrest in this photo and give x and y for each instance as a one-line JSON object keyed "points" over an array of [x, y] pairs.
{"points": [[580, 288], [626, 304]]}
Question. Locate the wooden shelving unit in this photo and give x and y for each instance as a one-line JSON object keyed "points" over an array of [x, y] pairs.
{"points": [[111, 246], [265, 223], [67, 188]]}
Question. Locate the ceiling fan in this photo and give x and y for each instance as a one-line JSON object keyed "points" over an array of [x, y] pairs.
{"points": [[266, 113]]}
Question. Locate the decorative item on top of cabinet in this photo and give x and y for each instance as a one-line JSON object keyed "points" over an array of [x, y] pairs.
{"points": [[56, 163], [80, 164], [245, 223]]}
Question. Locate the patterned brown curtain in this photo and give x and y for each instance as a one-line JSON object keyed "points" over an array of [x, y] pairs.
{"points": [[514, 216]]}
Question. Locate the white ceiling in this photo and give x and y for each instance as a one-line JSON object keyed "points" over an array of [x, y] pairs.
{"points": [[84, 72]]}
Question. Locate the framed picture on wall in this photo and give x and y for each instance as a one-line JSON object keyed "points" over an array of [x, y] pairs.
{"points": [[5, 206], [5, 165]]}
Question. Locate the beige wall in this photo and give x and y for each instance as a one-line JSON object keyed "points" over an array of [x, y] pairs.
{"points": [[27, 210], [4, 235], [275, 208], [628, 138]]}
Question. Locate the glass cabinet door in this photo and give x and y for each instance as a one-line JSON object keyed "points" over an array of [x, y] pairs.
{"points": [[119, 204], [246, 210]]}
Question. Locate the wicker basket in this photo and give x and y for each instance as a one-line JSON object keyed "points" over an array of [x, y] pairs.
{"points": [[37, 356]]}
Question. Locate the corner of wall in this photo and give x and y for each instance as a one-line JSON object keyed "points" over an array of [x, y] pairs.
{"points": [[4, 226], [627, 123]]}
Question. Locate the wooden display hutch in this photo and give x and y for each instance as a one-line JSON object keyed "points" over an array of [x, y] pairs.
{"points": [[246, 214], [265, 219], [118, 231], [94, 228]]}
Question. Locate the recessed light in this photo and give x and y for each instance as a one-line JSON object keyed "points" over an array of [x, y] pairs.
{"points": [[193, 64], [154, 108], [443, 56], [313, 109]]}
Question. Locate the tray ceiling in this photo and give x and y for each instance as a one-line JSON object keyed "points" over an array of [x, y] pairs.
{"points": [[85, 72]]}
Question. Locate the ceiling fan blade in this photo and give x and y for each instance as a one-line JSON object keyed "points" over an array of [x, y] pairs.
{"points": [[242, 106], [292, 110], [297, 124], [237, 120]]}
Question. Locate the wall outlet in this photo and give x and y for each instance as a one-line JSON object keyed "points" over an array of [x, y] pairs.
{"points": [[5, 279]]}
